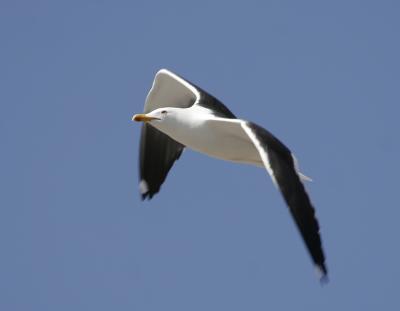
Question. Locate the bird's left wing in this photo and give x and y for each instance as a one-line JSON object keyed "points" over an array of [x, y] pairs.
{"points": [[170, 90], [158, 152]]}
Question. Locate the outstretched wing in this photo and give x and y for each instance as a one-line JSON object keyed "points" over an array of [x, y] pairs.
{"points": [[170, 90], [280, 164], [158, 152]]}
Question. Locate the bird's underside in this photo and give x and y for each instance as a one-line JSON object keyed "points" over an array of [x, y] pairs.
{"points": [[204, 124]]}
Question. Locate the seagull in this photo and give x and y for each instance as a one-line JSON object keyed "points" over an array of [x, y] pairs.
{"points": [[179, 114]]}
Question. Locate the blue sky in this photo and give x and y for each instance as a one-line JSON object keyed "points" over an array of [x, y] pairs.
{"points": [[322, 76]]}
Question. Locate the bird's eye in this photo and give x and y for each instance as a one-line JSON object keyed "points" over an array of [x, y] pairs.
{"points": [[164, 111]]}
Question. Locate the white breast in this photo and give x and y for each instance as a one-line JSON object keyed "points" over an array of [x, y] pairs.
{"points": [[220, 138]]}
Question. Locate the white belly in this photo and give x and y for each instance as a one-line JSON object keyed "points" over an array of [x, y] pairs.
{"points": [[222, 140], [221, 145]]}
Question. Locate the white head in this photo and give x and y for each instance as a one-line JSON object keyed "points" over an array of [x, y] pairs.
{"points": [[175, 122], [161, 118]]}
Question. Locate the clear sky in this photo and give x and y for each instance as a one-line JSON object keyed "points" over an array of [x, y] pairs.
{"points": [[323, 76]]}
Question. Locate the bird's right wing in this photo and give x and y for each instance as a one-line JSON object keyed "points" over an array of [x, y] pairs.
{"points": [[158, 152], [281, 165]]}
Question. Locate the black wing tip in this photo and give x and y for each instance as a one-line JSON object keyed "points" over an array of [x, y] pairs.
{"points": [[146, 192], [148, 195], [322, 274]]}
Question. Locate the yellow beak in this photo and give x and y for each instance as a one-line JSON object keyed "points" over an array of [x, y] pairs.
{"points": [[142, 118]]}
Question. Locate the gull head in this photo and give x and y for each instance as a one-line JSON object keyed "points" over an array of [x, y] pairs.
{"points": [[156, 115]]}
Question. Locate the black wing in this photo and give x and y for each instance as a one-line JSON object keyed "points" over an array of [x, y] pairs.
{"points": [[284, 173], [172, 90], [214, 104], [158, 152]]}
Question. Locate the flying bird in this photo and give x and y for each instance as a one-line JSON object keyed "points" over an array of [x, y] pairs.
{"points": [[179, 114]]}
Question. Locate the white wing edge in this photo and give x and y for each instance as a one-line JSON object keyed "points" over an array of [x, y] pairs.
{"points": [[263, 153], [177, 78]]}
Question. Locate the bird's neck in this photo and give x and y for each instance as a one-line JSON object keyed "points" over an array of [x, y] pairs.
{"points": [[184, 123]]}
